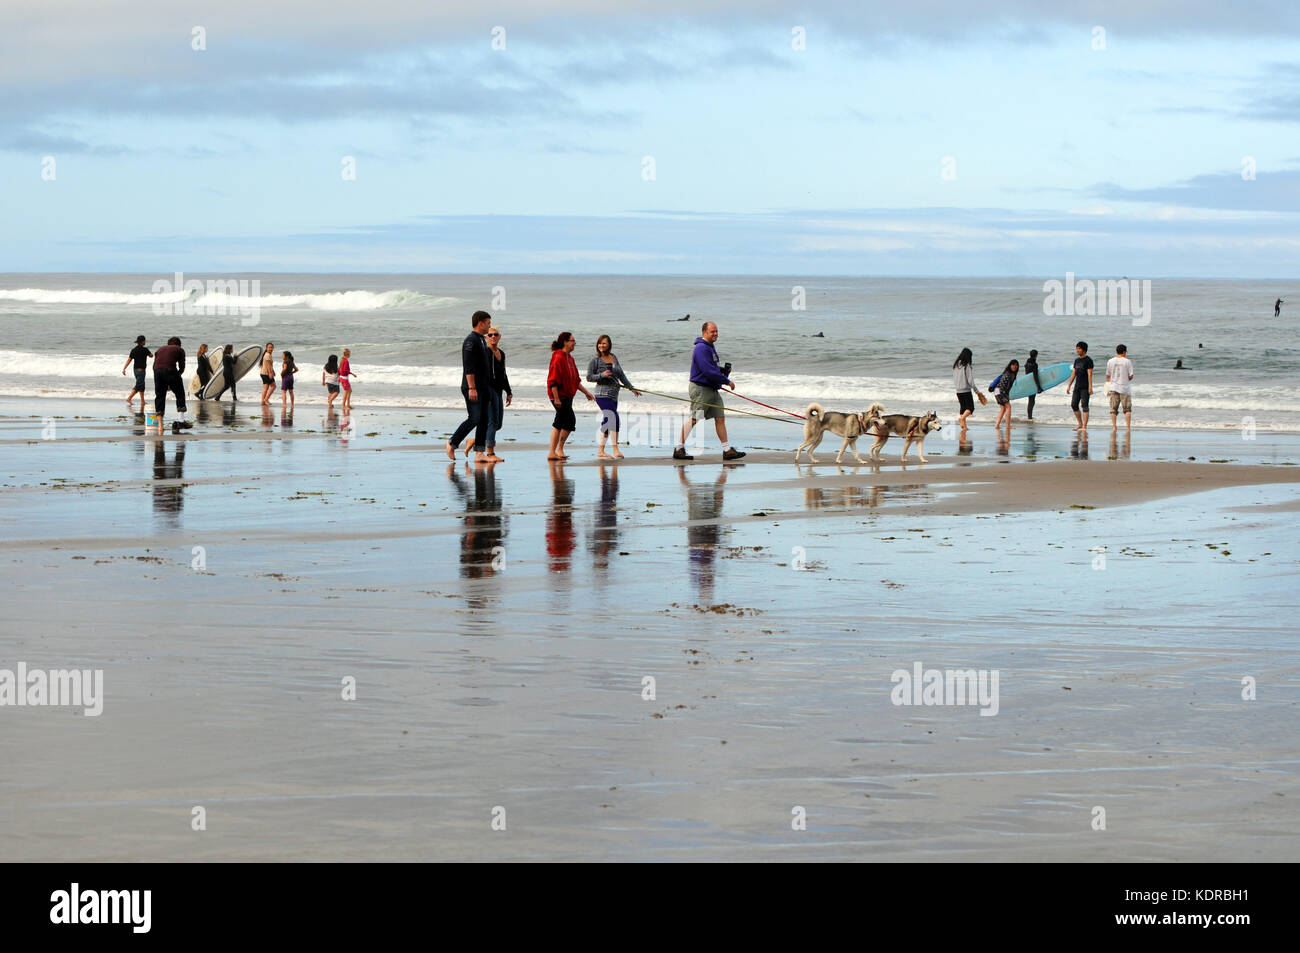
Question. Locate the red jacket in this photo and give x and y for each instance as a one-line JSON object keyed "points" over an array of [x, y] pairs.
{"points": [[563, 375]]}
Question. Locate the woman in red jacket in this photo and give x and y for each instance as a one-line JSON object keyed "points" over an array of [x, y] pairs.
{"points": [[562, 382]]}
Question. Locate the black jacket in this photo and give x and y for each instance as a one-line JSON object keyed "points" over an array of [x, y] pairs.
{"points": [[476, 359]]}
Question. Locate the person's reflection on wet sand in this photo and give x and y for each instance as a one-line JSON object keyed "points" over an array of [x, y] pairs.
{"points": [[268, 418], [482, 541], [1079, 447], [1031, 447], [286, 423], [964, 447], [1121, 451], [168, 499], [560, 535], [330, 422], [704, 529], [604, 533], [1004, 442]]}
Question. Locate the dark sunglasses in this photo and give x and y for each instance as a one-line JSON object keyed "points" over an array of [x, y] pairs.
{"points": [[497, 335]]}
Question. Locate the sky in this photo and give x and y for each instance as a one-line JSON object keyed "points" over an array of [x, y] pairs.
{"points": [[933, 137]]}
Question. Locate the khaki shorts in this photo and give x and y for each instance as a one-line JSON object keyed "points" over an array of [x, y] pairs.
{"points": [[1115, 400], [705, 402]]}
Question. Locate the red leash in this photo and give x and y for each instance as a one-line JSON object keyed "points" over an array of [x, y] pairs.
{"points": [[769, 406]]}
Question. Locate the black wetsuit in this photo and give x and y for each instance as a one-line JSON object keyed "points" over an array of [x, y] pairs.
{"points": [[1031, 367]]}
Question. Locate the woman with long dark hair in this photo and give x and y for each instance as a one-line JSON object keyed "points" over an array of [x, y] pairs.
{"points": [[606, 372], [562, 382], [963, 379], [1002, 393]]}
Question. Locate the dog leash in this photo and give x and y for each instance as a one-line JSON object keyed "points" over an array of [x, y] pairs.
{"points": [[731, 410], [768, 406]]}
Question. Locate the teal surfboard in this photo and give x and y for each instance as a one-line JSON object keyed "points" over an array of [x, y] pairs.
{"points": [[1049, 376]]}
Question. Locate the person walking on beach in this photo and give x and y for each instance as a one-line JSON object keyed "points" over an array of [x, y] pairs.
{"points": [[562, 382], [707, 380], [1079, 403], [203, 367], [228, 370], [329, 379], [1002, 394], [499, 385], [168, 366], [268, 373], [140, 355], [607, 373], [476, 369], [345, 372], [287, 369], [1277, 308], [1031, 367], [1119, 375], [963, 379]]}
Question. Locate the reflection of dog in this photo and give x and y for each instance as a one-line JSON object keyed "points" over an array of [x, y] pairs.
{"points": [[848, 426], [913, 429]]}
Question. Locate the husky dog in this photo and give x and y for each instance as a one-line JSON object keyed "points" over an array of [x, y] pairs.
{"points": [[913, 429], [848, 426]]}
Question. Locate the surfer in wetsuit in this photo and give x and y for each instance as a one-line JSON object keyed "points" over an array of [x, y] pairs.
{"points": [[204, 369], [228, 368], [1031, 367], [1277, 308]]}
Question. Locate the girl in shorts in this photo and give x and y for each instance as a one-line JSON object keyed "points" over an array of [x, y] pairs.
{"points": [[345, 371], [330, 378], [1001, 394], [287, 369]]}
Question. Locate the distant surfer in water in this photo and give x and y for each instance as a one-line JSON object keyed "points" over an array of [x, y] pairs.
{"points": [[1277, 308], [1178, 366]]}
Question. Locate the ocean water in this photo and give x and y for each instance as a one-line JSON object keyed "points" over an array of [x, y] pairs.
{"points": [[886, 340]]}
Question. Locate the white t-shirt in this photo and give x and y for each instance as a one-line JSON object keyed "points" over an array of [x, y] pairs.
{"points": [[1118, 370]]}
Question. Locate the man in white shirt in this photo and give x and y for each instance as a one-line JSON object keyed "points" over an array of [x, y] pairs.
{"points": [[1119, 374]]}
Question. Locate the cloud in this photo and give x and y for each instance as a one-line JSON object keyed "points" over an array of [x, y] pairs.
{"points": [[1269, 191]]}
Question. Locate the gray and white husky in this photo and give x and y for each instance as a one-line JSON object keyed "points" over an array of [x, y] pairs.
{"points": [[912, 429], [848, 426]]}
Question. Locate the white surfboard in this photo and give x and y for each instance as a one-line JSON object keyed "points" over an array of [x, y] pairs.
{"points": [[245, 361], [214, 361]]}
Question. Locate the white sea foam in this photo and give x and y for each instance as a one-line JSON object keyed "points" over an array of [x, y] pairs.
{"points": [[399, 299]]}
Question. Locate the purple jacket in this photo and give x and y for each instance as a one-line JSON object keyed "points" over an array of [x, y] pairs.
{"points": [[704, 366]]}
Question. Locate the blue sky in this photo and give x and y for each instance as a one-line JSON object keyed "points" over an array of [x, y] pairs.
{"points": [[768, 159]]}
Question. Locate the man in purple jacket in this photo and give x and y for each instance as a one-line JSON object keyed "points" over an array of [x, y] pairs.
{"points": [[707, 379]]}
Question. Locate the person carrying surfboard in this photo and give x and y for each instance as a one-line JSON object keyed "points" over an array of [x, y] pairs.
{"points": [[1031, 367]]}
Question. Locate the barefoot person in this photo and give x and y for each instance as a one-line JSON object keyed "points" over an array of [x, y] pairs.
{"points": [[228, 370], [1002, 394], [268, 374], [140, 355], [287, 369], [707, 379], [499, 394], [476, 368], [345, 375], [1119, 376], [1082, 368], [1031, 367], [329, 379], [202, 366], [562, 382], [605, 370], [963, 379]]}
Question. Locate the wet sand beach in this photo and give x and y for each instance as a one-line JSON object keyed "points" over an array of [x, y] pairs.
{"points": [[500, 624]]}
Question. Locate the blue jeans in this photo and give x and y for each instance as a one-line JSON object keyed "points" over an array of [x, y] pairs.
{"points": [[496, 415]]}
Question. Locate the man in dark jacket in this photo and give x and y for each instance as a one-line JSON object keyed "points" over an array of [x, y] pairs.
{"points": [[475, 383], [707, 380], [168, 366]]}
